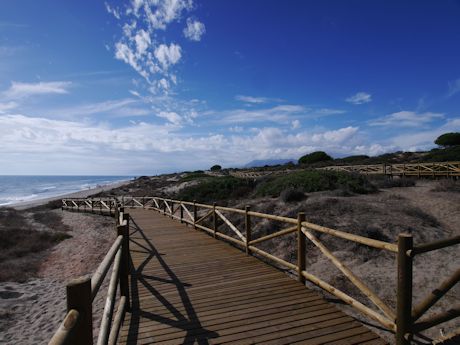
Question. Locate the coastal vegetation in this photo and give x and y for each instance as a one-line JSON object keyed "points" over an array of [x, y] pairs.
{"points": [[24, 235]]}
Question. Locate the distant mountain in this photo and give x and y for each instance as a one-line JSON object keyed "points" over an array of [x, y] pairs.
{"points": [[264, 162]]}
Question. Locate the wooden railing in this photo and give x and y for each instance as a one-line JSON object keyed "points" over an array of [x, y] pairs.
{"points": [[411, 169], [77, 326], [403, 320], [447, 169]]}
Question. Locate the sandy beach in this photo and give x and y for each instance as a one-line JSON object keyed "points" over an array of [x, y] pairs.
{"points": [[80, 194], [31, 311]]}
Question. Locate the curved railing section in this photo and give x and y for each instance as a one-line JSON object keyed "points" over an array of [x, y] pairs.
{"points": [[405, 320]]}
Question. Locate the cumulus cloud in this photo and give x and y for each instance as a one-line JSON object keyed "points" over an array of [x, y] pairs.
{"points": [[144, 48], [168, 55], [359, 98], [168, 147], [31, 136], [20, 90], [406, 119], [194, 30]]}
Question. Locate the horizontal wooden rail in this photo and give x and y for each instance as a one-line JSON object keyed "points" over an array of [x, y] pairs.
{"points": [[427, 247], [352, 237]]}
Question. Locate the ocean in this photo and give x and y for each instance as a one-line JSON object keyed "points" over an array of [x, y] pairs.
{"points": [[17, 189]]}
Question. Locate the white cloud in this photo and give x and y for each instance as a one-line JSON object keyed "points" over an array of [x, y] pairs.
{"points": [[236, 129], [194, 30], [171, 116], [454, 87], [74, 145], [406, 119], [168, 55], [295, 124], [141, 44], [112, 11], [256, 100], [125, 107], [160, 13], [20, 90], [74, 141], [250, 99], [283, 114], [359, 98], [4, 107]]}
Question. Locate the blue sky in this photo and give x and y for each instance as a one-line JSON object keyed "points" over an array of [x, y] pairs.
{"points": [[151, 86]]}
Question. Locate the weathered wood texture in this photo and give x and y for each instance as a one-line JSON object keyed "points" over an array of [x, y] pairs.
{"points": [[188, 288]]}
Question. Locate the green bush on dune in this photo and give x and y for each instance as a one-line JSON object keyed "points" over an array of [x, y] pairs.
{"points": [[217, 188], [315, 181]]}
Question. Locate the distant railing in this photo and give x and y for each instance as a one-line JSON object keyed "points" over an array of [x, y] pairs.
{"points": [[447, 169], [403, 321], [411, 169], [77, 326]]}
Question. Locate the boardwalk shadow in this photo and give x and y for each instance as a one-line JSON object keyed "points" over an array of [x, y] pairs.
{"points": [[183, 318]]}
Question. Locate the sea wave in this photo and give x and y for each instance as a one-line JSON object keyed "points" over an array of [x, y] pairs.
{"points": [[16, 199]]}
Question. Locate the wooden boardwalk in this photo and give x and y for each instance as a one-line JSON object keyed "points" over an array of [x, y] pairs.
{"points": [[189, 288]]}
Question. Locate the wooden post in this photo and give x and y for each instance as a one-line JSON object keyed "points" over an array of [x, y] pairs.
{"points": [[248, 228], [143, 202], [172, 209], [124, 264], [123, 201], [194, 214], [164, 207], [79, 298], [214, 218], [404, 292], [300, 247], [181, 212]]}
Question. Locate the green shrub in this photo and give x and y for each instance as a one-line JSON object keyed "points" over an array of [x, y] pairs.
{"points": [[382, 181], [314, 181], [314, 157], [216, 167], [194, 176], [358, 159], [292, 195], [217, 188], [448, 139], [443, 155]]}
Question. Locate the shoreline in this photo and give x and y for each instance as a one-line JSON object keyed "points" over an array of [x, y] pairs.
{"points": [[79, 194]]}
